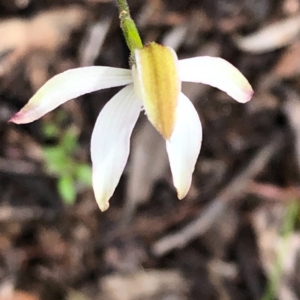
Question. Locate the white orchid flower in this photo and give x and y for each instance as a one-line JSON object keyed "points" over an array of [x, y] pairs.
{"points": [[153, 83]]}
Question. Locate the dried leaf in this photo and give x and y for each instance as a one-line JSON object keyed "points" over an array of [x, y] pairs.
{"points": [[145, 285], [289, 63], [148, 164], [272, 37], [47, 31], [292, 111]]}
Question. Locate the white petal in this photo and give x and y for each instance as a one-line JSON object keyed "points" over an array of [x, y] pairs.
{"points": [[110, 143], [68, 85], [218, 73], [184, 145]]}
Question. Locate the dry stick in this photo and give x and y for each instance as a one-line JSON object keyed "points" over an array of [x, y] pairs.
{"points": [[18, 167], [236, 188], [25, 214]]}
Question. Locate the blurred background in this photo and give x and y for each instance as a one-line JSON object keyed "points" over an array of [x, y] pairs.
{"points": [[235, 235]]}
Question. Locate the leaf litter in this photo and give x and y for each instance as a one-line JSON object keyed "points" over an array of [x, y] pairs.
{"points": [[223, 240]]}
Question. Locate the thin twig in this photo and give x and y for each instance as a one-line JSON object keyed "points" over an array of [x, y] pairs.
{"points": [[236, 188], [25, 213], [18, 167]]}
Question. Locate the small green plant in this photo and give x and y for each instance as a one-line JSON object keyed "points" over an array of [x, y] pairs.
{"points": [[289, 221], [61, 162]]}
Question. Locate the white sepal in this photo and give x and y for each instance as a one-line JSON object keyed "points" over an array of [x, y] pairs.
{"points": [[68, 85], [110, 143], [184, 145], [218, 73]]}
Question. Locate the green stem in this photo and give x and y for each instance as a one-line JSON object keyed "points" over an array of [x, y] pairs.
{"points": [[123, 5], [131, 34]]}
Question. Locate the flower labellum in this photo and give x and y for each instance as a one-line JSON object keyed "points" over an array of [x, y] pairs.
{"points": [[158, 85]]}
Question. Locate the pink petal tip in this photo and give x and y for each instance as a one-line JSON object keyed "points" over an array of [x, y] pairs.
{"points": [[14, 119], [249, 96], [19, 118]]}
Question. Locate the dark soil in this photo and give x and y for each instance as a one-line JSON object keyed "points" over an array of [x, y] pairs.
{"points": [[222, 241]]}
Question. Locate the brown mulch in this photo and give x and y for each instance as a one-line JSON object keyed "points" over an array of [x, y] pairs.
{"points": [[222, 241]]}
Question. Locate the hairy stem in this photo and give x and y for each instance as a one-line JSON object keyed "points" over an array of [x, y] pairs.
{"points": [[129, 29], [123, 6]]}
